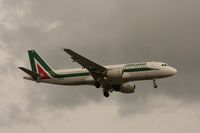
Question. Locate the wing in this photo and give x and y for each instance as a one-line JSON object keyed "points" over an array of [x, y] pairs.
{"points": [[95, 69]]}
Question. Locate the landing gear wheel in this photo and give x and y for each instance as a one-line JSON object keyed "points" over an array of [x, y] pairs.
{"points": [[106, 94], [155, 86], [154, 83], [97, 84]]}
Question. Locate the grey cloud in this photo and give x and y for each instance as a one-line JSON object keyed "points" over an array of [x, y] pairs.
{"points": [[110, 32], [61, 97], [17, 116]]}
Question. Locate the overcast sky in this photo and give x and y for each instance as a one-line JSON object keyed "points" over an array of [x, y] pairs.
{"points": [[107, 32]]}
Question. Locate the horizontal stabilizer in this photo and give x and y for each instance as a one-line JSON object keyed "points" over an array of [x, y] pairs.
{"points": [[31, 73]]}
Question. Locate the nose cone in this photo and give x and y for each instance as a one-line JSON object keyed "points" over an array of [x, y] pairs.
{"points": [[173, 71]]}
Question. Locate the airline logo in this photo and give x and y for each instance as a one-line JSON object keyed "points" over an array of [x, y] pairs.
{"points": [[42, 72], [38, 65]]}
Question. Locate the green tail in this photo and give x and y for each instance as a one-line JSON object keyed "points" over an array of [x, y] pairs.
{"points": [[38, 65]]}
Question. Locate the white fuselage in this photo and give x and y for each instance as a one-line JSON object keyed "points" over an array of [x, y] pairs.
{"points": [[131, 72]]}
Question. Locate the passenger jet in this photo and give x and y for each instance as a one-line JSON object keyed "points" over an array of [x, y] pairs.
{"points": [[110, 78]]}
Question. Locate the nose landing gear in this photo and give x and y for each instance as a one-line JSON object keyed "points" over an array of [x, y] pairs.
{"points": [[154, 83]]}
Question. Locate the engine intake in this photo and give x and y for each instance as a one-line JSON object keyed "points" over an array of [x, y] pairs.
{"points": [[127, 88]]}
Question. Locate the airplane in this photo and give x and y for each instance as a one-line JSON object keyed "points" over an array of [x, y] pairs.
{"points": [[110, 78]]}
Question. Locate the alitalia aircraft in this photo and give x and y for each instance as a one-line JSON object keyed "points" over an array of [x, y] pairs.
{"points": [[110, 78]]}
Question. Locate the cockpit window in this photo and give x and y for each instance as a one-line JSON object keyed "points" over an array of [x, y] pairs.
{"points": [[164, 65]]}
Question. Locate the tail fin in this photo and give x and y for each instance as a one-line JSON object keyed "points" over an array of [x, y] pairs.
{"points": [[39, 66]]}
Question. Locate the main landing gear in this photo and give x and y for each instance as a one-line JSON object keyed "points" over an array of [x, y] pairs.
{"points": [[97, 84], [106, 94], [154, 83]]}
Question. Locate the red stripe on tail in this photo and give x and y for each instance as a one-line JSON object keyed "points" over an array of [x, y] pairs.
{"points": [[42, 72]]}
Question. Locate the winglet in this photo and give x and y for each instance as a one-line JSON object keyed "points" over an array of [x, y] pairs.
{"points": [[69, 51], [29, 72]]}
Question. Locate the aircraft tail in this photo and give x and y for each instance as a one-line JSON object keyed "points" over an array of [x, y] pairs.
{"points": [[39, 66], [29, 72]]}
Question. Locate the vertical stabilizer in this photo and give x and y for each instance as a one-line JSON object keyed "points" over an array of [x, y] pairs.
{"points": [[38, 65]]}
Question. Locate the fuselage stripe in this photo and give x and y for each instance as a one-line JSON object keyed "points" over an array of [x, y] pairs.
{"points": [[88, 74]]}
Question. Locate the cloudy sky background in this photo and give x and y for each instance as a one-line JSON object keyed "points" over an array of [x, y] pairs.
{"points": [[108, 32]]}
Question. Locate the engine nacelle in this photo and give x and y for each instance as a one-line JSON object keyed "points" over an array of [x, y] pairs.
{"points": [[114, 74], [127, 88]]}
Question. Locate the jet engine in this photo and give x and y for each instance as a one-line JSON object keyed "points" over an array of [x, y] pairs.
{"points": [[114, 74], [127, 88]]}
